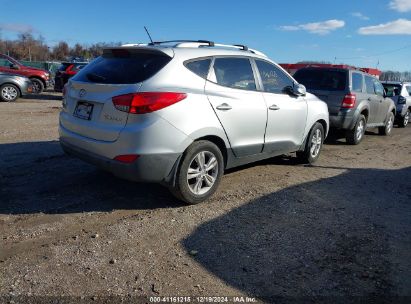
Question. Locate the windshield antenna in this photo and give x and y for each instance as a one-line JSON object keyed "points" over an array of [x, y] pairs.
{"points": [[149, 36]]}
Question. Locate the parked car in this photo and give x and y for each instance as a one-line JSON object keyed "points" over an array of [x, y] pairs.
{"points": [[40, 78], [13, 87], [180, 113], [356, 100], [65, 72], [400, 92]]}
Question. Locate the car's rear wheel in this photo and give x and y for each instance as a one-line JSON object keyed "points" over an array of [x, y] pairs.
{"points": [[199, 173], [38, 85], [355, 136], [403, 122], [313, 145], [387, 129], [9, 92]]}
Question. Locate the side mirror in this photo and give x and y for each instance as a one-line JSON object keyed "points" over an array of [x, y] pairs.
{"points": [[299, 90], [14, 66]]}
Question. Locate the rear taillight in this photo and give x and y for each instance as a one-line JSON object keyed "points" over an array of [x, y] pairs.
{"points": [[146, 102], [127, 159], [402, 100], [349, 101]]}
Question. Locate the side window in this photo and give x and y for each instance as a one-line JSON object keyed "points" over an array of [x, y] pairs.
{"points": [[409, 90], [369, 84], [5, 63], [199, 67], [379, 89], [234, 73], [274, 80], [357, 82]]}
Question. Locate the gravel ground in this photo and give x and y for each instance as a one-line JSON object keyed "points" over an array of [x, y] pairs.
{"points": [[275, 230]]}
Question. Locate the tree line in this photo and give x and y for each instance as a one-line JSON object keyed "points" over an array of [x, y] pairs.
{"points": [[27, 47]]}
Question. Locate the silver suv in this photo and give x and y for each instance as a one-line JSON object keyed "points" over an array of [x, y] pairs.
{"points": [[180, 113], [400, 93]]}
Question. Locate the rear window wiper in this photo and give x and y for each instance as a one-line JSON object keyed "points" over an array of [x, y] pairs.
{"points": [[95, 77]]}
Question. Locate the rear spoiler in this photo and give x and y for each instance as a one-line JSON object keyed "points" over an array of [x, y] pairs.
{"points": [[133, 50]]}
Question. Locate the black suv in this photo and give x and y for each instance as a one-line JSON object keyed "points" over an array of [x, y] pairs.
{"points": [[65, 72], [356, 100]]}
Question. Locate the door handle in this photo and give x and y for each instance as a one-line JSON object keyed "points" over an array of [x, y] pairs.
{"points": [[224, 107], [274, 107], [369, 98]]}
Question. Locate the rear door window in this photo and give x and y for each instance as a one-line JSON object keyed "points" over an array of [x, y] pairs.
{"points": [[357, 82], [379, 89], [322, 79], [122, 67], [235, 73], [369, 85], [199, 67], [409, 90], [274, 80]]}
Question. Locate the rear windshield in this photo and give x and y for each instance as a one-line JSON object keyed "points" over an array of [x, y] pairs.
{"points": [[392, 89], [123, 68], [325, 80], [64, 66]]}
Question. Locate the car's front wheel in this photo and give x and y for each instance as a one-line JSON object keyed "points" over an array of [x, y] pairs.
{"points": [[404, 120], [9, 92], [38, 85], [313, 145], [199, 173], [387, 129]]}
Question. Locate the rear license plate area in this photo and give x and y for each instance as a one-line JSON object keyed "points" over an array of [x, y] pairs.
{"points": [[83, 110]]}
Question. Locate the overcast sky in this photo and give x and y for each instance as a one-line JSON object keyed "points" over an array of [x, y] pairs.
{"points": [[360, 32]]}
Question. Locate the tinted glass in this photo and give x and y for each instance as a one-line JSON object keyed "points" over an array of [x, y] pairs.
{"points": [[409, 90], [379, 89], [5, 63], [122, 69], [274, 80], [392, 89], [64, 66], [234, 73], [200, 67], [369, 84], [357, 82], [322, 79]]}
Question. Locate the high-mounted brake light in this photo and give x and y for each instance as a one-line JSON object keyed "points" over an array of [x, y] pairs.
{"points": [[349, 101], [146, 102]]}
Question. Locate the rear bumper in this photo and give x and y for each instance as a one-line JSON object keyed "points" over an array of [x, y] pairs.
{"points": [[342, 120], [147, 168]]}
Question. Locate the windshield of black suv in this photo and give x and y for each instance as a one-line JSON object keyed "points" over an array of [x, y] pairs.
{"points": [[392, 89], [322, 79]]}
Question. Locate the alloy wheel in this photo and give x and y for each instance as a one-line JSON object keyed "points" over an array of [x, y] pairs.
{"points": [[202, 172], [9, 93], [316, 142]]}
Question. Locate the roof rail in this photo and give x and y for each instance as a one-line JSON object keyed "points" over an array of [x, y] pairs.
{"points": [[210, 43]]}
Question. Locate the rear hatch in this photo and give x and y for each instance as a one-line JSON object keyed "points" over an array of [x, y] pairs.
{"points": [[89, 110], [330, 85]]}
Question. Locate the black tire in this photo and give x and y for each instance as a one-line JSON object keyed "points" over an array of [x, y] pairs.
{"points": [[356, 135], [184, 187], [387, 129], [403, 122], [38, 85], [307, 156], [9, 92]]}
